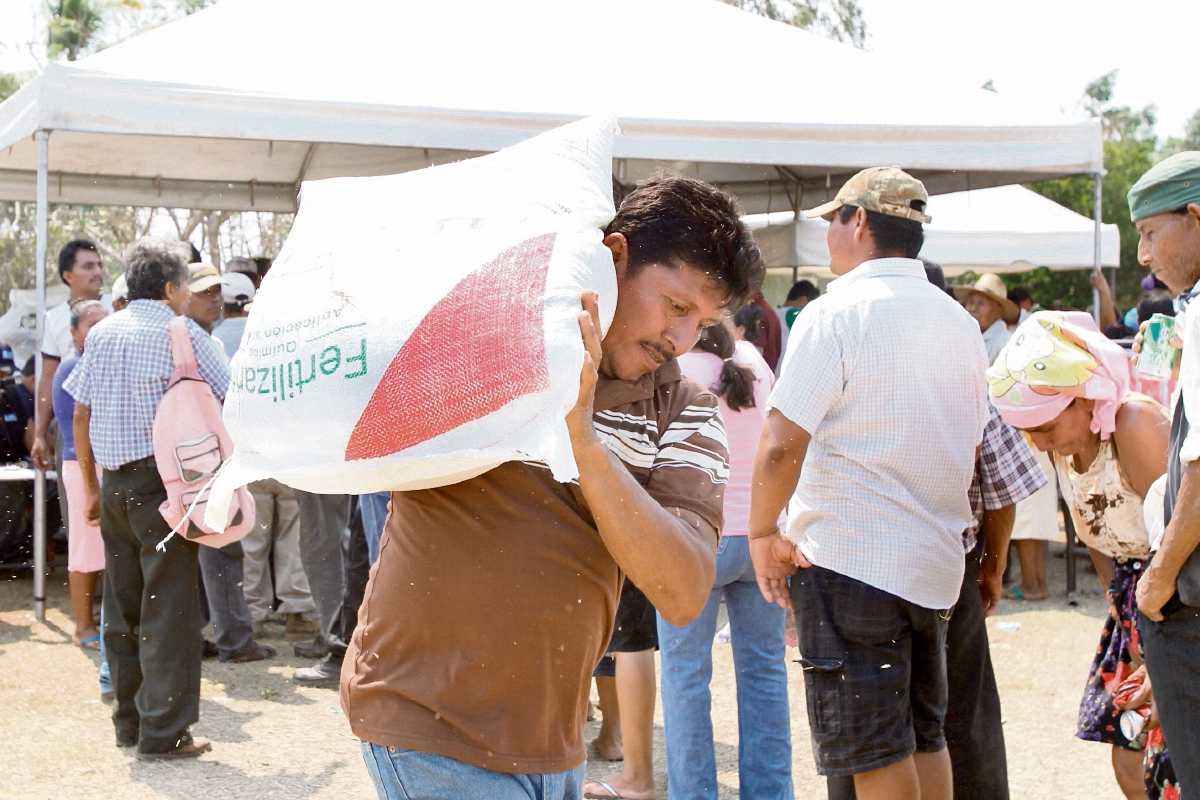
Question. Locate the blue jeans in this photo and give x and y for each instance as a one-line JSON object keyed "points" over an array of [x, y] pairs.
{"points": [[764, 729], [105, 677], [400, 774], [374, 509]]}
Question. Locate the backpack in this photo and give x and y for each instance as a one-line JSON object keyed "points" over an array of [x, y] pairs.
{"points": [[190, 447]]}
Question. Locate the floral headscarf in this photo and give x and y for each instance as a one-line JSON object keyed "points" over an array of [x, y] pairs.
{"points": [[1052, 358]]}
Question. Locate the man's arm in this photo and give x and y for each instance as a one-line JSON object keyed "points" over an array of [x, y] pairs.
{"points": [[670, 554], [996, 529], [42, 451], [1179, 540], [781, 451], [87, 462]]}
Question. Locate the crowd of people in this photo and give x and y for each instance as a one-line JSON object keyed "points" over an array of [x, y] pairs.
{"points": [[840, 473]]}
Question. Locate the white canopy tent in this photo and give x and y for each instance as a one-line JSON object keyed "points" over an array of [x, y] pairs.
{"points": [[1002, 229], [234, 107]]}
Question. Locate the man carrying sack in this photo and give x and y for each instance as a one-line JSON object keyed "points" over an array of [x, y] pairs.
{"points": [[493, 599]]}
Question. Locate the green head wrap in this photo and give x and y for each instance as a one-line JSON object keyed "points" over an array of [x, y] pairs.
{"points": [[1169, 185]]}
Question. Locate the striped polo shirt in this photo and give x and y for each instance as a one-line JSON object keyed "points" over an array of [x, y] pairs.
{"points": [[493, 599]]}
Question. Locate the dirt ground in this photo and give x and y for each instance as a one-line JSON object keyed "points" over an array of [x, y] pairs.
{"points": [[274, 739]]}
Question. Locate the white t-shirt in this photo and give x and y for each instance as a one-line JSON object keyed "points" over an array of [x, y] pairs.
{"points": [[56, 338], [886, 373]]}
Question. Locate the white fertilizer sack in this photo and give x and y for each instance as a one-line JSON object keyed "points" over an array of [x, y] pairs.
{"points": [[420, 329]]}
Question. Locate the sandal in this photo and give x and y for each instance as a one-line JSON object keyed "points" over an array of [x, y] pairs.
{"points": [[1017, 594], [90, 642]]}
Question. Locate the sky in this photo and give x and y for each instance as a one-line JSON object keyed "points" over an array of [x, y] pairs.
{"points": [[1042, 50], [1048, 50]]}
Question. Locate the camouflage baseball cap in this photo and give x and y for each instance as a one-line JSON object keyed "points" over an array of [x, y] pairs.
{"points": [[886, 190]]}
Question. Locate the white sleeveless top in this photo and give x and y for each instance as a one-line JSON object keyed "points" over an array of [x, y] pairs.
{"points": [[1105, 507]]}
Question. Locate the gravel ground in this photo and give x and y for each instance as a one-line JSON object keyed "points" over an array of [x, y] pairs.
{"points": [[273, 739]]}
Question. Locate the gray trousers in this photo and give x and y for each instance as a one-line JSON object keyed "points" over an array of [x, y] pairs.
{"points": [[221, 573], [275, 540], [337, 576], [151, 612], [324, 526], [1173, 660]]}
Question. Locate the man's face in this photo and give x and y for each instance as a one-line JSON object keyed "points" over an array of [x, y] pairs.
{"points": [[1170, 247], [205, 307], [79, 334], [1068, 433], [660, 314], [86, 277], [984, 309]]}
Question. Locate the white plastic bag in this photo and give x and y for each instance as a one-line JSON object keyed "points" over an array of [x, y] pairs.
{"points": [[420, 329], [18, 326]]}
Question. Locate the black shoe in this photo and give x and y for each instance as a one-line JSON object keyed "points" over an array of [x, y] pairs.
{"points": [[326, 673], [255, 652], [210, 649], [128, 740], [317, 648]]}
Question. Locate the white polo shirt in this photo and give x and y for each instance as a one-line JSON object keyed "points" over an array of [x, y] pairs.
{"points": [[886, 372], [56, 332]]}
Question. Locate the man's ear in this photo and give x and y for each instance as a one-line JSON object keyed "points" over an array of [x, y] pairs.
{"points": [[619, 245], [68, 276], [861, 231], [1194, 211]]}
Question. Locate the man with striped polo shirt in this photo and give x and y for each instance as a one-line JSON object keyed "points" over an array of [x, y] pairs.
{"points": [[493, 599]]}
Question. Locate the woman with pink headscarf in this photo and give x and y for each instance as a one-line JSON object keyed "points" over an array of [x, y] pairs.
{"points": [[1067, 386]]}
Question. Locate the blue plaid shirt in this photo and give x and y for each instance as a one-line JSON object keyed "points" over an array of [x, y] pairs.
{"points": [[1005, 473], [123, 373]]}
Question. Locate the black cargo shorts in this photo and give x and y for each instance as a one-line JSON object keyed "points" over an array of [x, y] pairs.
{"points": [[874, 672]]}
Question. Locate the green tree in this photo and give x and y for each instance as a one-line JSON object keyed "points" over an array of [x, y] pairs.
{"points": [[9, 83], [1129, 150], [1190, 140], [74, 24], [838, 19]]}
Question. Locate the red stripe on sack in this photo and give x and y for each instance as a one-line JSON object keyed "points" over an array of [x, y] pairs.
{"points": [[478, 349]]}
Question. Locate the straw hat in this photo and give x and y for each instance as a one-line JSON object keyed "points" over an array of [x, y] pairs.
{"points": [[991, 286]]}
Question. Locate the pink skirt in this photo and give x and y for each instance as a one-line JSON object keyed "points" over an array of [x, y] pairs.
{"points": [[85, 548]]}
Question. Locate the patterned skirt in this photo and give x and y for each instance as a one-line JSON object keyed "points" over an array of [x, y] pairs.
{"points": [[1099, 718]]}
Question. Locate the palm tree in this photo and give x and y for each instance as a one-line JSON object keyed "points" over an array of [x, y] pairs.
{"points": [[74, 22]]}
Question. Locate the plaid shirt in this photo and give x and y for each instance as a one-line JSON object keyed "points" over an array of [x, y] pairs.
{"points": [[1005, 472], [123, 373]]}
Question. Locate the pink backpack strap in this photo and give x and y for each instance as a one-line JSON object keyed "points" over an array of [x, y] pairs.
{"points": [[181, 349]]}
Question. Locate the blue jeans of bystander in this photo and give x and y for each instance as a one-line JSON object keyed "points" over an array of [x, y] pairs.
{"points": [[764, 732]]}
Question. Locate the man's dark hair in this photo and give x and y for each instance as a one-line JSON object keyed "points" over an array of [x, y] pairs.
{"points": [[1155, 302], [66, 256], [891, 234], [151, 263], [1019, 294], [935, 274], [803, 289], [673, 221], [749, 318]]}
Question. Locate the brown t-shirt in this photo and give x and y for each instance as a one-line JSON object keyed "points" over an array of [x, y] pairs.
{"points": [[493, 599]]}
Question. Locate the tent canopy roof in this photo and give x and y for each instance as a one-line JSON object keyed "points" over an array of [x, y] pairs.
{"points": [[232, 107], [1003, 229]]}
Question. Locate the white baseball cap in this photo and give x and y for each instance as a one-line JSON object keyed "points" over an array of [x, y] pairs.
{"points": [[238, 288], [120, 288]]}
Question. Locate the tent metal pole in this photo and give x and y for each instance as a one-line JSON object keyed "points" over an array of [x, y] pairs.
{"points": [[1098, 184], [39, 479]]}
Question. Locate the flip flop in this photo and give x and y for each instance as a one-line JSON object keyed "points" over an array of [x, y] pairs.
{"points": [[1017, 594], [90, 642], [612, 793]]}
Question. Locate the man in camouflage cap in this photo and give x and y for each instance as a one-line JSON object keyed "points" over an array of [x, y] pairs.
{"points": [[871, 435], [1165, 205]]}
